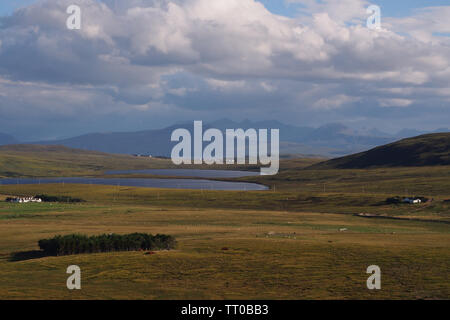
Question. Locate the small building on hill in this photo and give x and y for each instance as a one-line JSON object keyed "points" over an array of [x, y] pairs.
{"points": [[412, 200], [23, 199]]}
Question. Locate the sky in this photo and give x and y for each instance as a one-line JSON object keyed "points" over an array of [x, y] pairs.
{"points": [[392, 8], [144, 64]]}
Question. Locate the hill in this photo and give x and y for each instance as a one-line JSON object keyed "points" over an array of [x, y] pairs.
{"points": [[7, 139], [58, 161], [154, 142], [424, 150]]}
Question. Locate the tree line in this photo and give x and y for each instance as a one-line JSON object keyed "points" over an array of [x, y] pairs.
{"points": [[78, 244], [47, 198]]}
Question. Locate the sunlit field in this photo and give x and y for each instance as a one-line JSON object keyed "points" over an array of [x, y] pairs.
{"points": [[226, 249]]}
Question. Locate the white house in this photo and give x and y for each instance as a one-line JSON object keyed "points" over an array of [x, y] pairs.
{"points": [[25, 199], [412, 200]]}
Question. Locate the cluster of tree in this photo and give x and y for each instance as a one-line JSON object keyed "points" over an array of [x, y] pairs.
{"points": [[394, 200], [398, 200], [47, 198], [77, 244]]}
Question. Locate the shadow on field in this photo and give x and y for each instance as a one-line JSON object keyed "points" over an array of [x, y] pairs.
{"points": [[27, 255]]}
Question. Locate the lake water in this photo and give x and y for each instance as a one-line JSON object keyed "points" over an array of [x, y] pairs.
{"points": [[196, 184], [190, 173]]}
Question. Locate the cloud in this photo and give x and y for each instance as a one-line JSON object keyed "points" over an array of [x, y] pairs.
{"points": [[341, 11], [215, 56], [424, 24], [225, 85], [395, 102], [333, 102]]}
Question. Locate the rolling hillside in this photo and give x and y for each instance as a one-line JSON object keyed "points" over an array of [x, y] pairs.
{"points": [[425, 150], [57, 161]]}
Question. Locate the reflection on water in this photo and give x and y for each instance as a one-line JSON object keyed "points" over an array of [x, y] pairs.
{"points": [[190, 173]]}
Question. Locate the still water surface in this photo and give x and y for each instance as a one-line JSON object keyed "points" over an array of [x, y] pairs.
{"points": [[190, 173], [197, 184]]}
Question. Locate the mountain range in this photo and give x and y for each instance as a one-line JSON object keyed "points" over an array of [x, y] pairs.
{"points": [[330, 140]]}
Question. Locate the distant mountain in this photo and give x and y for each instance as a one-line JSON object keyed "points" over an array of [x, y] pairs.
{"points": [[424, 150], [7, 139], [407, 133], [288, 133], [154, 142], [330, 140]]}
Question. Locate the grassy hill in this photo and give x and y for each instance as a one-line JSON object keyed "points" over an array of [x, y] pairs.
{"points": [[24, 160], [425, 150], [54, 161]]}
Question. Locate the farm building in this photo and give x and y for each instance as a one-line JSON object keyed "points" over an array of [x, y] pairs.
{"points": [[412, 200], [23, 199]]}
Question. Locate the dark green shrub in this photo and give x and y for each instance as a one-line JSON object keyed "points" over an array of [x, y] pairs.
{"points": [[76, 243], [47, 198], [394, 200]]}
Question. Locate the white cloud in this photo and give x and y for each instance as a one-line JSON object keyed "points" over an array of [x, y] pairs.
{"points": [[424, 23], [333, 102], [234, 38], [225, 85], [340, 11], [395, 102]]}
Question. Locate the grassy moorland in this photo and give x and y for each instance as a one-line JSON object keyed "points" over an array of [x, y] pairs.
{"points": [[59, 161], [280, 245], [300, 240], [223, 254], [342, 202], [20, 161]]}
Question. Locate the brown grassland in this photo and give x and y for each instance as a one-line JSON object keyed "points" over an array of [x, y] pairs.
{"points": [[285, 243]]}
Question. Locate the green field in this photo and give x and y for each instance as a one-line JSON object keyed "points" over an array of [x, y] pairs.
{"points": [[300, 240]]}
